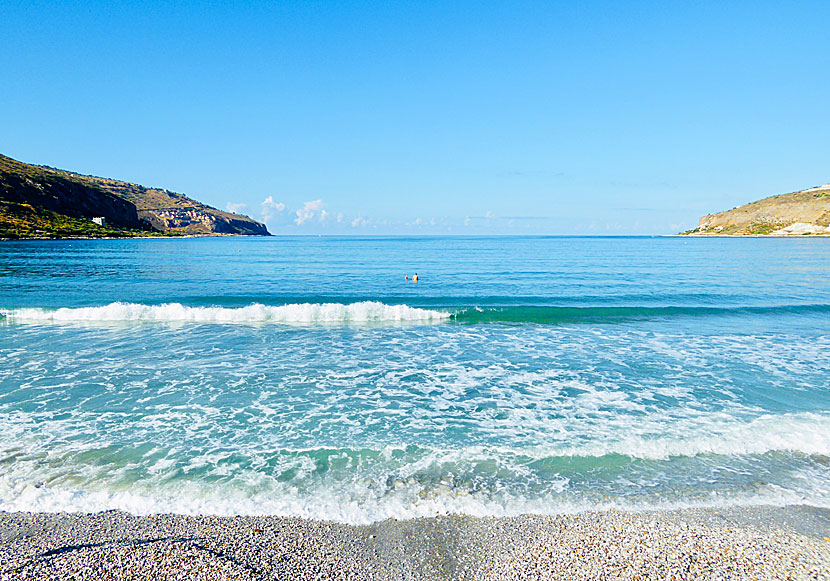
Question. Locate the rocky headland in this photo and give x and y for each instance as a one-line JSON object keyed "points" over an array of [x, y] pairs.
{"points": [[45, 202], [806, 212]]}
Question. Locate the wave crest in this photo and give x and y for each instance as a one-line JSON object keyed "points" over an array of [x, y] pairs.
{"points": [[302, 314]]}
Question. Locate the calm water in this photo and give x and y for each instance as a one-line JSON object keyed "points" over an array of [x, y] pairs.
{"points": [[304, 376]]}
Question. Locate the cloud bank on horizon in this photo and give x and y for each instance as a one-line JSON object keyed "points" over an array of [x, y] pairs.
{"points": [[313, 217]]}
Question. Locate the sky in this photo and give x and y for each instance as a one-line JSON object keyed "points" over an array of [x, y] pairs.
{"points": [[563, 118]]}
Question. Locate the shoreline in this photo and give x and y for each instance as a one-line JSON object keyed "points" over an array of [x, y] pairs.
{"points": [[162, 236], [762, 542], [748, 235], [610, 236]]}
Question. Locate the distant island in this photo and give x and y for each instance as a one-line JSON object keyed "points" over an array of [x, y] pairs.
{"points": [[797, 214], [45, 202]]}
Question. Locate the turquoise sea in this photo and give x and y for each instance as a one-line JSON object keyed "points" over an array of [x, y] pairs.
{"points": [[304, 376]]}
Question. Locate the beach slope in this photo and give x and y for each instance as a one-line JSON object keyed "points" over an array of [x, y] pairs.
{"points": [[735, 543]]}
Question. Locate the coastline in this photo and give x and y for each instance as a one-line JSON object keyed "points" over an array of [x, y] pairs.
{"points": [[756, 542], [749, 235], [164, 236], [224, 235]]}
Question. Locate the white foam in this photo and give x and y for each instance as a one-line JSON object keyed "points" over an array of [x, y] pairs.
{"points": [[349, 504], [303, 314], [358, 500], [806, 433], [439, 481]]}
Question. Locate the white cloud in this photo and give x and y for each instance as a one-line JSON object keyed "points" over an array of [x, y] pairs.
{"points": [[271, 209], [340, 217], [467, 221], [323, 215], [235, 208], [308, 211], [359, 221]]}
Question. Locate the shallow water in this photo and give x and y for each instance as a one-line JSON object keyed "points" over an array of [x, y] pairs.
{"points": [[304, 376]]}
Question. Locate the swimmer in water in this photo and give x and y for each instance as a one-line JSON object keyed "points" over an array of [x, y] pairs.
{"points": [[415, 277], [406, 277]]}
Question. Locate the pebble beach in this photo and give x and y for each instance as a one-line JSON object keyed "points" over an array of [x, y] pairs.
{"points": [[734, 543]]}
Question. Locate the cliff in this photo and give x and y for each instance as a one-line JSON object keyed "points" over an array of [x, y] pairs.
{"points": [[795, 214], [170, 212], [44, 202]]}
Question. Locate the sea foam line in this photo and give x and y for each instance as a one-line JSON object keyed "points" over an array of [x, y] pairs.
{"points": [[353, 505], [306, 313]]}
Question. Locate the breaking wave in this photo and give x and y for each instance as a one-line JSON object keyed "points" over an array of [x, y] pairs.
{"points": [[302, 314], [760, 462], [368, 312]]}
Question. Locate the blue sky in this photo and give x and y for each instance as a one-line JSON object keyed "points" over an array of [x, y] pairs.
{"points": [[421, 117]]}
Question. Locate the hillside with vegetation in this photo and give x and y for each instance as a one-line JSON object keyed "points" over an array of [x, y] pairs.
{"points": [[806, 212], [44, 202]]}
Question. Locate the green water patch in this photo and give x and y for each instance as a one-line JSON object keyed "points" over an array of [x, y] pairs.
{"points": [[556, 315]]}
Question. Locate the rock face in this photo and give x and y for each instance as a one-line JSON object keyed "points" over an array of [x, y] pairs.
{"points": [[171, 212], [21, 183], [50, 195], [795, 214]]}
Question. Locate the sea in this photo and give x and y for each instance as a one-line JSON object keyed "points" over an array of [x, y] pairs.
{"points": [[308, 376]]}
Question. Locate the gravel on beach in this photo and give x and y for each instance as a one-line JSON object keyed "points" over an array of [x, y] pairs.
{"points": [[734, 543]]}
